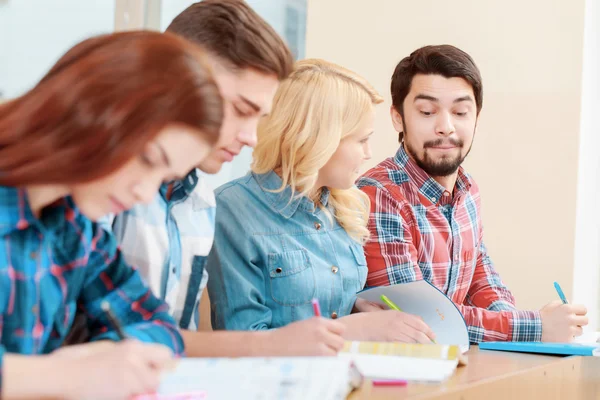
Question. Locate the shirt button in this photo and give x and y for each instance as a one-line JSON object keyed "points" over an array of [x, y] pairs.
{"points": [[334, 269], [33, 255], [334, 315], [174, 270], [317, 226], [278, 270], [35, 309], [433, 200]]}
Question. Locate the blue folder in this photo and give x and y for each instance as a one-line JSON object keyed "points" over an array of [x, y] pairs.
{"points": [[565, 349]]}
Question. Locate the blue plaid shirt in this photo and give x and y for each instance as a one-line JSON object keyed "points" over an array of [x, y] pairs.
{"points": [[52, 265]]}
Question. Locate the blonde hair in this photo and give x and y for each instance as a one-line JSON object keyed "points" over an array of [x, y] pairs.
{"points": [[313, 110]]}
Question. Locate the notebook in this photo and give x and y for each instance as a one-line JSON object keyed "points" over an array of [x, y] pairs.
{"points": [[588, 338], [425, 300], [566, 349], [410, 362], [294, 378]]}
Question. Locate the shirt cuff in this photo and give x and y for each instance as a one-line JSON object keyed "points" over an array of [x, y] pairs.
{"points": [[149, 333], [525, 326]]}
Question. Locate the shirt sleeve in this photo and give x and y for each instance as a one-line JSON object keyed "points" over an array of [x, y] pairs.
{"points": [[237, 284], [490, 312], [488, 292], [389, 251], [111, 279]]}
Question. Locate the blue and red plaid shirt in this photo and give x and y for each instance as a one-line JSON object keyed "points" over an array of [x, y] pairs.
{"points": [[62, 261], [419, 230]]}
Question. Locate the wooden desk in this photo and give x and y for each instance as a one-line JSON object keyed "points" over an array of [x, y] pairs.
{"points": [[493, 375]]}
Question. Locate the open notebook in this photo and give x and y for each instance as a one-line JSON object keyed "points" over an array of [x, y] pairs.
{"points": [[425, 300], [410, 362], [326, 378]]}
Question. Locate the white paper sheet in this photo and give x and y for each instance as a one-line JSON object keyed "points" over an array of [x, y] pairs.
{"points": [[423, 299], [588, 338], [260, 378], [407, 368]]}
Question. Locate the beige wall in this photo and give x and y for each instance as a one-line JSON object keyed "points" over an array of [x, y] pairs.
{"points": [[525, 152]]}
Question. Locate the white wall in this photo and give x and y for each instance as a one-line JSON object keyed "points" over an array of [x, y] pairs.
{"points": [[586, 281], [35, 33]]}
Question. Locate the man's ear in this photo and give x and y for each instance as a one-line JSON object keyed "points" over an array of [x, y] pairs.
{"points": [[397, 122], [396, 119]]}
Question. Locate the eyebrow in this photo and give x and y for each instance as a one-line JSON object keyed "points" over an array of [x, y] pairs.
{"points": [[164, 155], [255, 106], [436, 100]]}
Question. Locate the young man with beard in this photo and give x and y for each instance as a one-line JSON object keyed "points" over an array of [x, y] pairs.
{"points": [[425, 218]]}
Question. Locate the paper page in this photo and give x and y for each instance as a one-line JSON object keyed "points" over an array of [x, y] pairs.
{"points": [[407, 368], [260, 378], [422, 299], [588, 338]]}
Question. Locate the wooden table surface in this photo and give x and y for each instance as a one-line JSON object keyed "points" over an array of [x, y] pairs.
{"points": [[492, 375]]}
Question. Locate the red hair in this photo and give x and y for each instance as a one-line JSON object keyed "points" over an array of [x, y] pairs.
{"points": [[101, 103]]}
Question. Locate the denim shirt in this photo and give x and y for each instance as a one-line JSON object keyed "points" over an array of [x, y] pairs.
{"points": [[272, 255]]}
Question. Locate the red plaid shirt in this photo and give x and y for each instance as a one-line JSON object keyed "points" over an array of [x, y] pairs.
{"points": [[421, 231]]}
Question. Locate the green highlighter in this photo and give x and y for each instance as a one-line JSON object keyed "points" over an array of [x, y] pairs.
{"points": [[389, 303], [392, 306]]}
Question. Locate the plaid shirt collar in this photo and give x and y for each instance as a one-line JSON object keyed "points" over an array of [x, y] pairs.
{"points": [[285, 202], [428, 186]]}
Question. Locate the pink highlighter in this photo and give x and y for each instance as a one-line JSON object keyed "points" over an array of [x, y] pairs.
{"points": [[179, 396], [389, 382]]}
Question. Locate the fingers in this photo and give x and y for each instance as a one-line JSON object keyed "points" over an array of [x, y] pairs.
{"points": [[334, 342], [402, 337], [145, 378], [577, 331], [154, 355], [578, 309], [580, 320], [420, 326], [333, 326]]}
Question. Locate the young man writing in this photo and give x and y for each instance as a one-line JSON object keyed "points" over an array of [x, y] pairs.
{"points": [[170, 238], [425, 218]]}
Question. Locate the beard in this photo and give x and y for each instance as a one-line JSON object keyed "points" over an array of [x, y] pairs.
{"points": [[445, 166]]}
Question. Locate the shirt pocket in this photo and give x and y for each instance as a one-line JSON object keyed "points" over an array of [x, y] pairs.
{"points": [[361, 264], [292, 277], [468, 265]]}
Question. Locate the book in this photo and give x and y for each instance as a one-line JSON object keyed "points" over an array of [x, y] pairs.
{"points": [[271, 378], [425, 300], [410, 362]]}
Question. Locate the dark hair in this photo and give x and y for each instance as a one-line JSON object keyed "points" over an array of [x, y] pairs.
{"points": [[101, 103], [236, 34], [445, 60]]}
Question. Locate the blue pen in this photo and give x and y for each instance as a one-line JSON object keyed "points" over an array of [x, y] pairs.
{"points": [[560, 293]]}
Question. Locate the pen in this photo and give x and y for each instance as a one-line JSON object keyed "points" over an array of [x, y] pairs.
{"points": [[113, 320], [560, 293], [389, 382], [316, 307], [392, 306]]}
